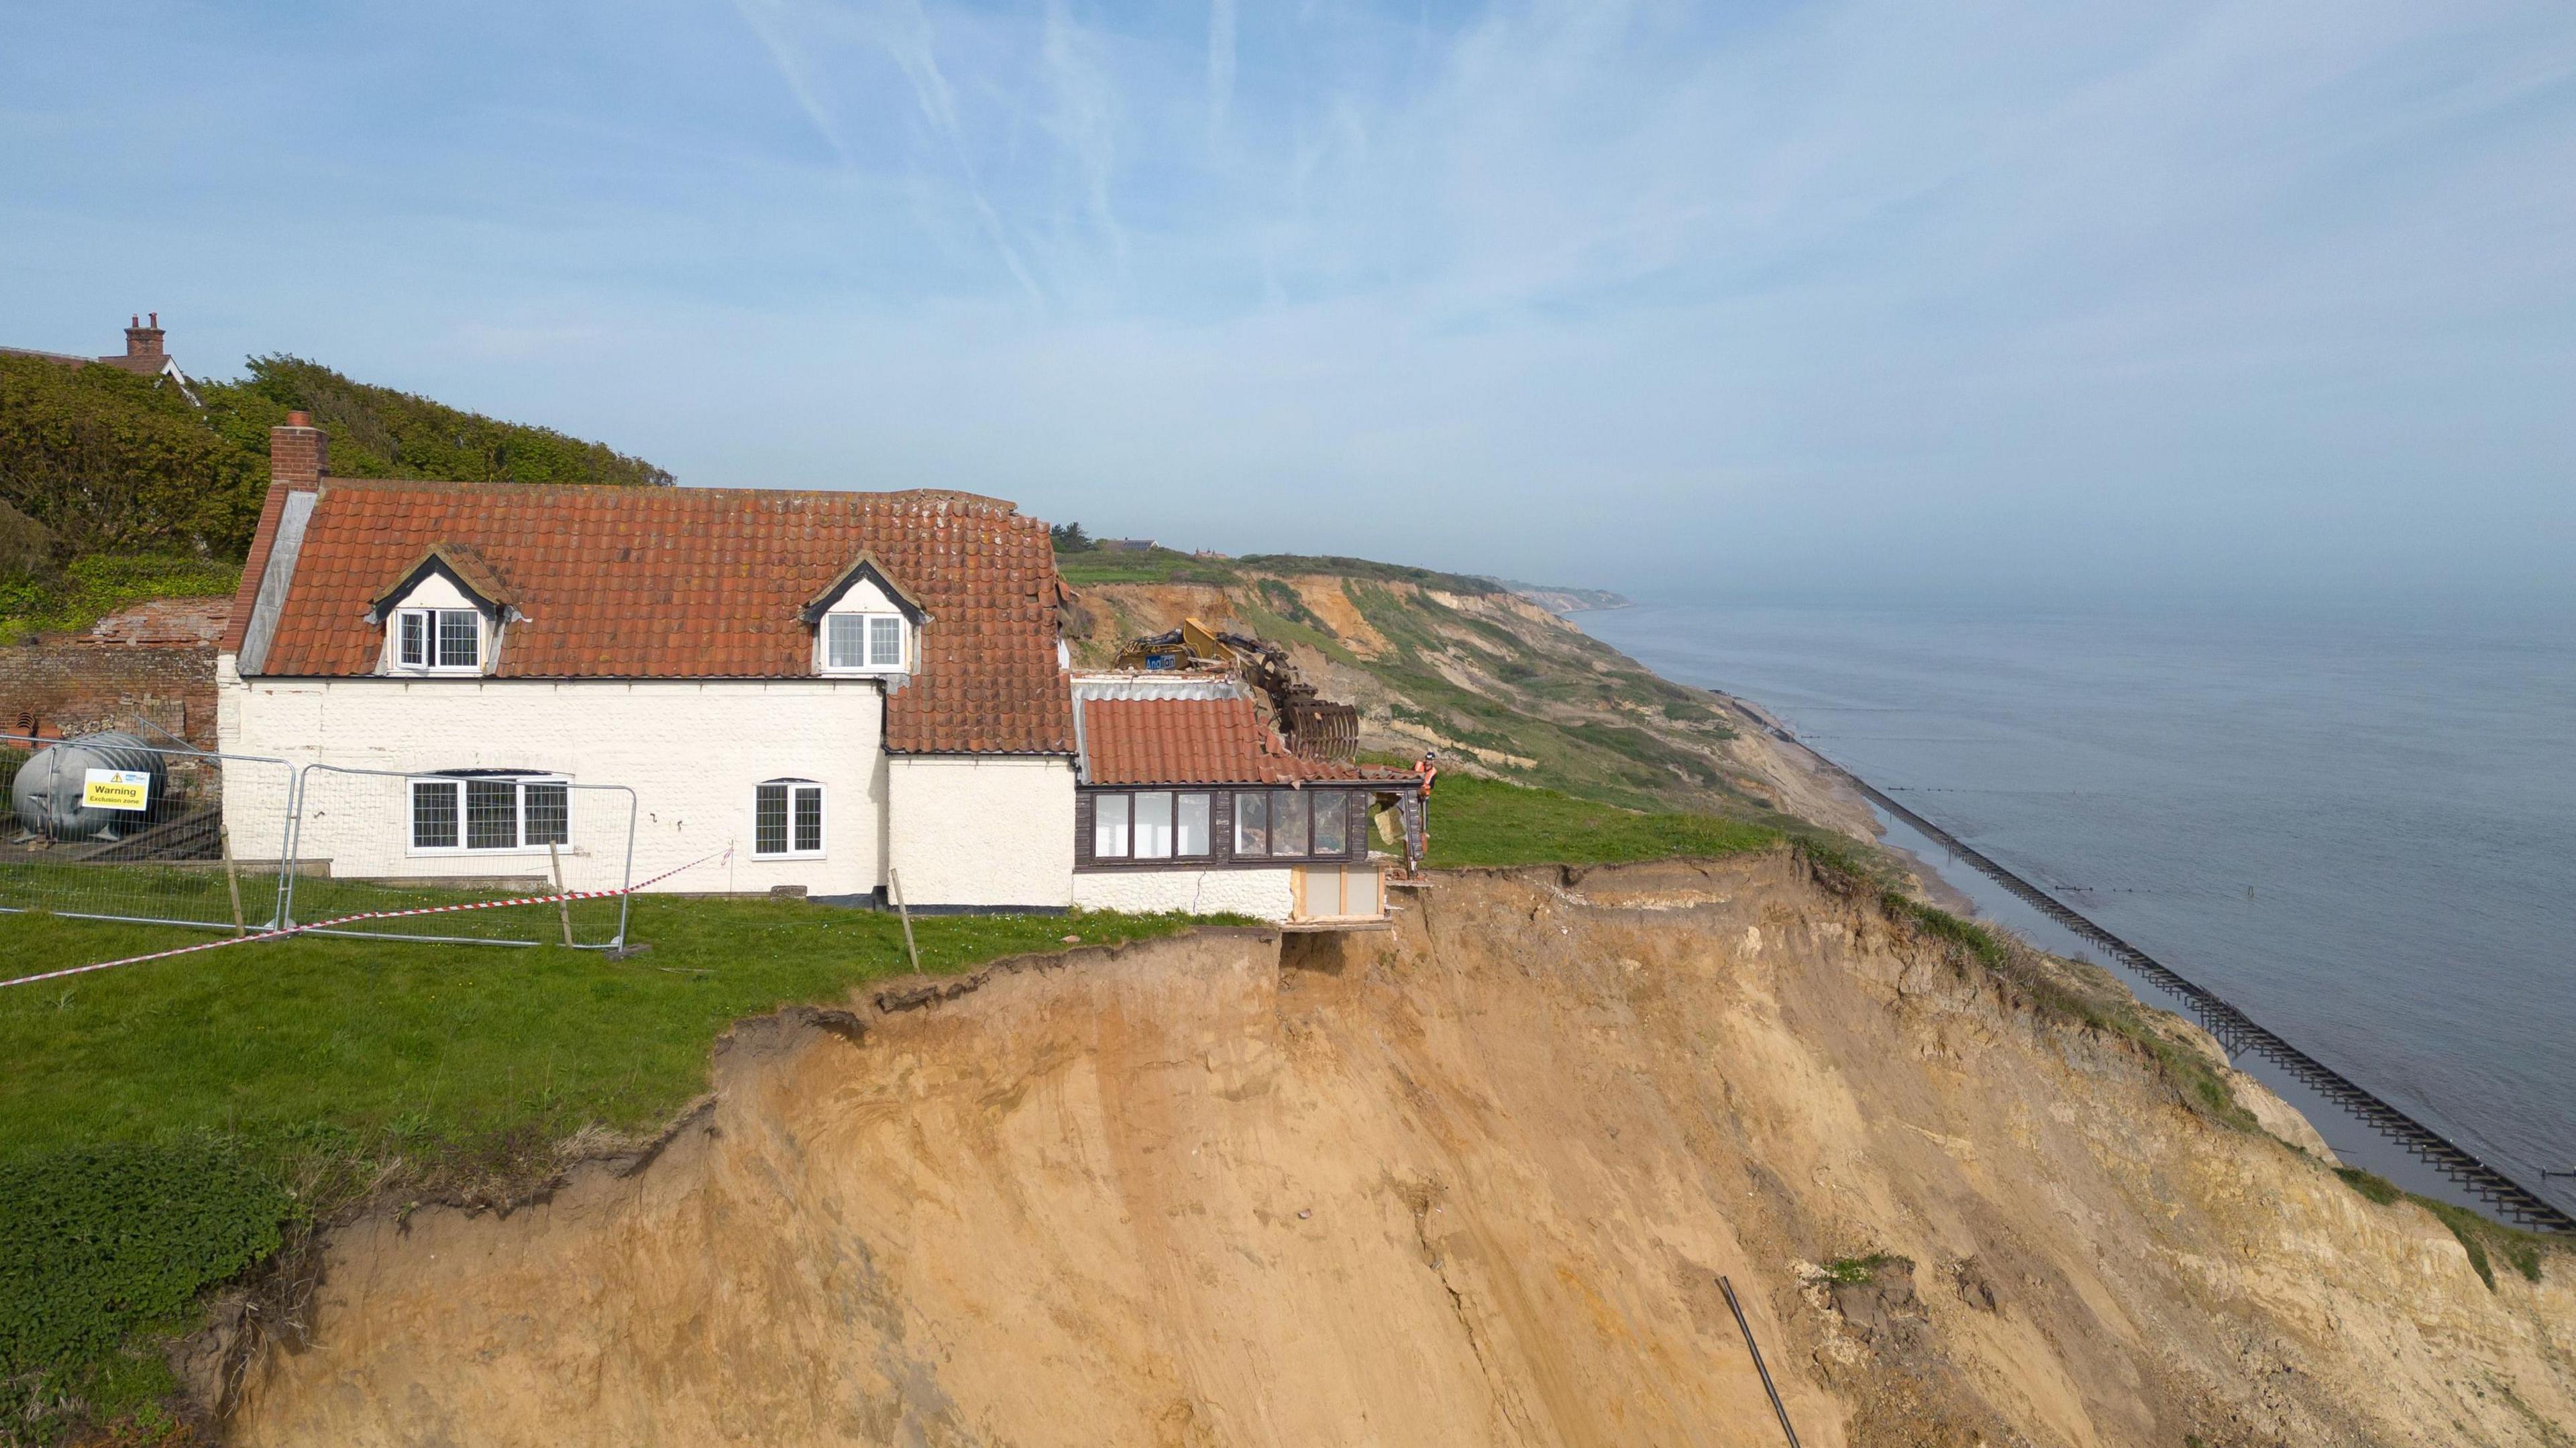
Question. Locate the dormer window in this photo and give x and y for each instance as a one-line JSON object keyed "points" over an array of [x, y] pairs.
{"points": [[863, 643], [437, 640], [443, 615], [865, 623]]}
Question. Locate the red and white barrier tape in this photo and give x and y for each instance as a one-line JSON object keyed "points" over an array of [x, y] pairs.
{"points": [[258, 936]]}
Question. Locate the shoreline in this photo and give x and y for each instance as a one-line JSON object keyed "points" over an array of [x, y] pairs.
{"points": [[2450, 1171]]}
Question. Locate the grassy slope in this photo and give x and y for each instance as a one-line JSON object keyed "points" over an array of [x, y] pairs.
{"points": [[1459, 662], [166, 1124], [452, 1042], [1487, 822]]}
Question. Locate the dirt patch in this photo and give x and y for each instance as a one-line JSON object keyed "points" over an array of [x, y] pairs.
{"points": [[1327, 599]]}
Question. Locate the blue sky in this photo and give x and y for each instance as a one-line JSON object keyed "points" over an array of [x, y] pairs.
{"points": [[1793, 299]]}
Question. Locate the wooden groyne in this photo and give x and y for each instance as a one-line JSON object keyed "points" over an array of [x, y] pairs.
{"points": [[2239, 1034]]}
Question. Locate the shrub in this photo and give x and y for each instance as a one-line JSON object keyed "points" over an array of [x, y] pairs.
{"points": [[101, 1242]]}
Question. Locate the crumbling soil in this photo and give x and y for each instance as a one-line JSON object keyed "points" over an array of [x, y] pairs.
{"points": [[1468, 1182]]}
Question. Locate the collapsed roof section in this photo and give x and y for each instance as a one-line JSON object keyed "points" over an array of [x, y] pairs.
{"points": [[1314, 727]]}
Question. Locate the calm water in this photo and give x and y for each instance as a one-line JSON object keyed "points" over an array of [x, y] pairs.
{"points": [[2362, 834]]}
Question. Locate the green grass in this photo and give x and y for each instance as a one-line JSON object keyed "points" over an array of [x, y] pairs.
{"points": [[1487, 822], [1852, 1271], [448, 1042], [2482, 1239], [292, 1073], [1159, 565]]}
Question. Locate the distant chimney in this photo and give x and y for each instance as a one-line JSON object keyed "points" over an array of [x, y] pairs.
{"points": [[142, 341], [298, 453]]}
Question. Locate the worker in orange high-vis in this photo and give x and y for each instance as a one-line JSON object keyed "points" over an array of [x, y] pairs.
{"points": [[1428, 768]]}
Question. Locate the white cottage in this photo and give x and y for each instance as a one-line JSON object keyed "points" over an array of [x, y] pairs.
{"points": [[834, 692], [834, 685]]}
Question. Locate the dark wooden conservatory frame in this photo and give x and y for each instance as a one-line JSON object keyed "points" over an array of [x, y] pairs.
{"points": [[1221, 855]]}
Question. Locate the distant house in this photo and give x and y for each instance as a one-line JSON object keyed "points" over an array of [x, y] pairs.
{"points": [[851, 692], [144, 355], [1125, 545]]}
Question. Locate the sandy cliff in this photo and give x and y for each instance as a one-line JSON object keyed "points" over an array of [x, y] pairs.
{"points": [[1469, 1182]]}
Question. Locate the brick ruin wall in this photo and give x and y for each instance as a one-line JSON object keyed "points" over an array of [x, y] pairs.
{"points": [[75, 688]]}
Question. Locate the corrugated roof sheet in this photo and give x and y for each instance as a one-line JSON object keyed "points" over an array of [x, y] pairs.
{"points": [[698, 583]]}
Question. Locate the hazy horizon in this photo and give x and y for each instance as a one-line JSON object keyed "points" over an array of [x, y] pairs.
{"points": [[1811, 300]]}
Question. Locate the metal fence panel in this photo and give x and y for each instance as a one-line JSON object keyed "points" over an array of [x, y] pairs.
{"points": [[436, 855], [110, 827]]}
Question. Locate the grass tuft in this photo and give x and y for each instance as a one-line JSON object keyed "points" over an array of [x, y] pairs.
{"points": [[1852, 1271]]}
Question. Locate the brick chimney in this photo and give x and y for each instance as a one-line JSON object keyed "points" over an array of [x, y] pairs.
{"points": [[143, 343], [298, 453]]}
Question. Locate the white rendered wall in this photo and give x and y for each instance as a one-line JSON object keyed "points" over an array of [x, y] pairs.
{"points": [[981, 830], [1262, 894], [691, 751]]}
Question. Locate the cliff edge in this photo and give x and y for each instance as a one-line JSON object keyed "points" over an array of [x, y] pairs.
{"points": [[1471, 1181]]}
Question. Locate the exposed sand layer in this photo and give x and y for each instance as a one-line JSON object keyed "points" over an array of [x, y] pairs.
{"points": [[1470, 1182]]}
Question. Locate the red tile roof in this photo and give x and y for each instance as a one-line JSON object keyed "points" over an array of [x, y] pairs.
{"points": [[698, 583], [1197, 741]]}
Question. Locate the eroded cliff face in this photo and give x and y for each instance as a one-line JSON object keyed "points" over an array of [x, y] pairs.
{"points": [[1469, 1182]]}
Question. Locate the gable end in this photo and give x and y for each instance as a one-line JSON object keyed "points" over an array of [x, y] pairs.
{"points": [[863, 568]]}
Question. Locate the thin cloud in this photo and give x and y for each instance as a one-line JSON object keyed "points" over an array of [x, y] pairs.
{"points": [[1821, 289], [902, 30], [1084, 118], [1220, 67], [762, 17]]}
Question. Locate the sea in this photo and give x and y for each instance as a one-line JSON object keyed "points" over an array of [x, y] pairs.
{"points": [[2359, 829]]}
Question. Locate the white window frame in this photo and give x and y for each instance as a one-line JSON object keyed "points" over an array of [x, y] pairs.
{"points": [[519, 783], [1206, 823], [1124, 806], [866, 625], [822, 819], [430, 620], [1152, 840]]}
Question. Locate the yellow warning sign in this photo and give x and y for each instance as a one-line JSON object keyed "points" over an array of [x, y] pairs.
{"points": [[116, 789]]}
